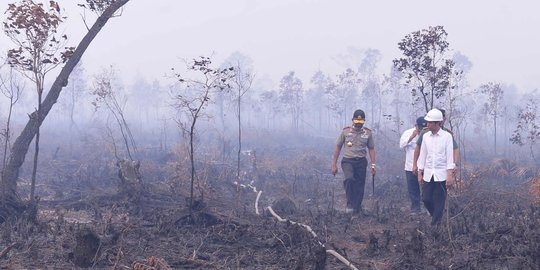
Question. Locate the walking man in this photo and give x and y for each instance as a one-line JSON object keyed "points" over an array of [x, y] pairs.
{"points": [[358, 141], [408, 143], [419, 143], [435, 165]]}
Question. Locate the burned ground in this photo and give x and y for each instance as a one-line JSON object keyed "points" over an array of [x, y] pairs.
{"points": [[88, 220]]}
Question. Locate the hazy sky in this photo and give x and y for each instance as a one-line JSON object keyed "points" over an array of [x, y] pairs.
{"points": [[500, 38]]}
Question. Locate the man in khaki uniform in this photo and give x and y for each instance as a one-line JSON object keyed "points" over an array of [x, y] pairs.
{"points": [[358, 141]]}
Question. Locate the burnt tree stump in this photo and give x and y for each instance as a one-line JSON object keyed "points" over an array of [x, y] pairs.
{"points": [[86, 248], [131, 185]]}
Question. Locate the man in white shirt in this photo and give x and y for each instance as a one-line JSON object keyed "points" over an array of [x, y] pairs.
{"points": [[435, 165], [408, 143]]}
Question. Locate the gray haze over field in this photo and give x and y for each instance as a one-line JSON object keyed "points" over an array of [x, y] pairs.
{"points": [[500, 38]]}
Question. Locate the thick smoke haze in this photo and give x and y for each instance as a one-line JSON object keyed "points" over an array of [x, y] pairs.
{"points": [[498, 37], [311, 42]]}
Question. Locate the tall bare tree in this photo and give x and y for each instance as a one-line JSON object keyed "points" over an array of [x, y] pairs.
{"points": [[271, 107], [291, 95], [399, 109], [10, 201], [316, 97], [192, 97], [75, 90], [527, 130], [241, 84], [343, 94], [372, 89], [11, 87], [105, 91], [493, 106]]}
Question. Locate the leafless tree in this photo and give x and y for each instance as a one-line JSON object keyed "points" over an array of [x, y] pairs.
{"points": [[316, 98], [241, 84], [75, 90], [291, 96], [192, 96], [343, 94], [12, 88], [527, 130], [493, 106], [105, 91]]}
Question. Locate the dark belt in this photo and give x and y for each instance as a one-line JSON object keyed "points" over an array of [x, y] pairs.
{"points": [[355, 158]]}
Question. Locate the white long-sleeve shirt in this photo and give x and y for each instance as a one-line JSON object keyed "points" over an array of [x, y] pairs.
{"points": [[436, 155], [408, 147]]}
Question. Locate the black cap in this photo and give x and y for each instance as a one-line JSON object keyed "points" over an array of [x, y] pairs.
{"points": [[421, 122], [359, 113], [359, 117]]}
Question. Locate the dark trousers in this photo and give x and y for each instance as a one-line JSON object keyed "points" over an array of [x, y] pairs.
{"points": [[414, 191], [354, 170], [434, 197]]}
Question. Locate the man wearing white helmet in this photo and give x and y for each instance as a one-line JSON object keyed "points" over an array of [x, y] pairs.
{"points": [[435, 165], [419, 143]]}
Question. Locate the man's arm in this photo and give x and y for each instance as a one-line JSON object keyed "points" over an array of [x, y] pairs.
{"points": [[419, 142], [421, 160], [456, 152], [372, 158], [450, 163], [415, 159], [335, 158], [405, 139]]}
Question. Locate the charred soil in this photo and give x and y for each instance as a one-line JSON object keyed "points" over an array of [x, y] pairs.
{"points": [[91, 222]]}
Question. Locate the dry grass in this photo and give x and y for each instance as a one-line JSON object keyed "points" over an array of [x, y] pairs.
{"points": [[504, 169], [151, 263]]}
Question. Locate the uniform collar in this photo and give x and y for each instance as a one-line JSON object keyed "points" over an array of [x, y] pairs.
{"points": [[355, 129]]}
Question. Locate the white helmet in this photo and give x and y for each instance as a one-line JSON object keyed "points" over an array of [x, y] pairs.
{"points": [[434, 116]]}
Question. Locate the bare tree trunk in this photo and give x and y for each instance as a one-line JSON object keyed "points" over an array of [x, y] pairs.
{"points": [[22, 143], [192, 161], [8, 133], [239, 139], [495, 134], [36, 150]]}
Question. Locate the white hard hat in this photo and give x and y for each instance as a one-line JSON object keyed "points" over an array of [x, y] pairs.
{"points": [[434, 116]]}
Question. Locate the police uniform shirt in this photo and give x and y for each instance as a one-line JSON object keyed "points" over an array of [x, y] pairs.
{"points": [[354, 141]]}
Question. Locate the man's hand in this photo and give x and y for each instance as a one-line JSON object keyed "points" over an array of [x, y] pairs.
{"points": [[334, 169], [450, 179], [415, 169], [373, 171], [420, 177], [455, 171]]}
